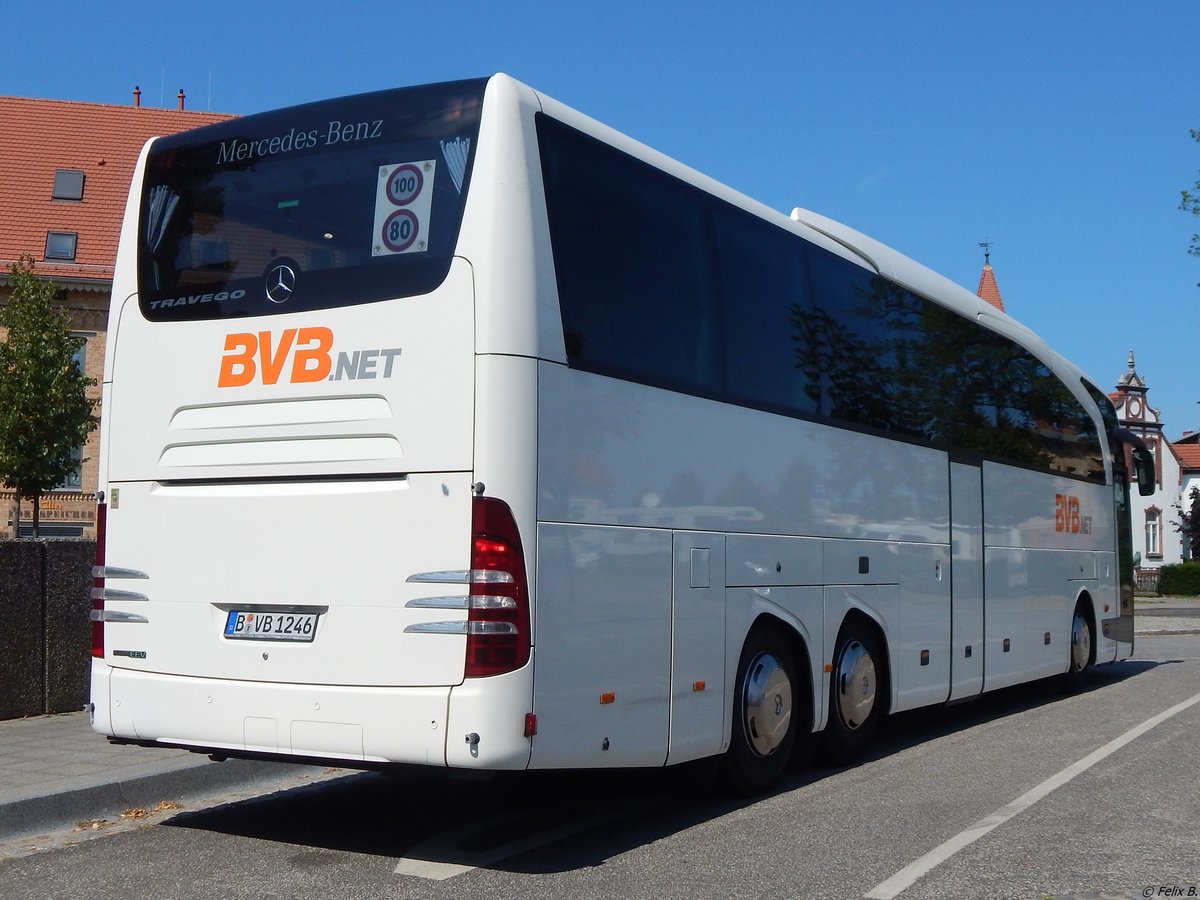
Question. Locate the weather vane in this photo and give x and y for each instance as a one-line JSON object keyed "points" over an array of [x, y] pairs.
{"points": [[987, 251]]}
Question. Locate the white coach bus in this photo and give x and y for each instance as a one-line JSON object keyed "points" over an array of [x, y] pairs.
{"points": [[447, 426]]}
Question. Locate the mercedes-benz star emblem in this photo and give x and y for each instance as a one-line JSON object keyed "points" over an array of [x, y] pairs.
{"points": [[281, 284]]}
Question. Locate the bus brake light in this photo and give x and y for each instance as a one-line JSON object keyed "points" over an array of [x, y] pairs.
{"points": [[498, 614]]}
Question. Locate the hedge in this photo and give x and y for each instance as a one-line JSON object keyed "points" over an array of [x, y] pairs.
{"points": [[1180, 579]]}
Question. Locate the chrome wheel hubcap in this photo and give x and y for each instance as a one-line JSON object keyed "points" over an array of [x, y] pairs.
{"points": [[1081, 643], [767, 704], [856, 685]]}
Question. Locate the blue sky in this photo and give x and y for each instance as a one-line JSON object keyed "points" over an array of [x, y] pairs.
{"points": [[1056, 129]]}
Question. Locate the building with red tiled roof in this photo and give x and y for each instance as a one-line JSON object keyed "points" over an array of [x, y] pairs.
{"points": [[65, 169], [1187, 451]]}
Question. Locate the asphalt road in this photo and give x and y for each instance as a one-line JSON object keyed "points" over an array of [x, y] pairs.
{"points": [[1023, 794]]}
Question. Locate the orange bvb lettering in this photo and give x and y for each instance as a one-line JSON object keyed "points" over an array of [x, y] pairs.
{"points": [[246, 355], [237, 365], [272, 364], [312, 363], [1066, 514]]}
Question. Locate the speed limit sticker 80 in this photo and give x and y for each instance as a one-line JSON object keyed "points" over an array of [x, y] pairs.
{"points": [[403, 199]]}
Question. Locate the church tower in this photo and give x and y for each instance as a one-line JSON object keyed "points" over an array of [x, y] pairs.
{"points": [[988, 290]]}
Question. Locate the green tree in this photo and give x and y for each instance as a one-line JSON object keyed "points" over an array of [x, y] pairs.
{"points": [[1190, 202], [45, 411], [1189, 523]]}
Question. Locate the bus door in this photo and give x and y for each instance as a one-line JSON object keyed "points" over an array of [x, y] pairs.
{"points": [[966, 574]]}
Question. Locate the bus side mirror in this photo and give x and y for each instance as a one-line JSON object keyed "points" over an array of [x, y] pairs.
{"points": [[1143, 470], [1143, 459]]}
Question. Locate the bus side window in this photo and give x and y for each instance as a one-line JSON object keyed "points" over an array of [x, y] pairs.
{"points": [[632, 263], [763, 278]]}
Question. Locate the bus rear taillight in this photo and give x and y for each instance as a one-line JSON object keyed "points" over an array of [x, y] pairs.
{"points": [[498, 626], [97, 614]]}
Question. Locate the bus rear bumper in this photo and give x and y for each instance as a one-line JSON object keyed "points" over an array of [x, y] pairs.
{"points": [[370, 725]]}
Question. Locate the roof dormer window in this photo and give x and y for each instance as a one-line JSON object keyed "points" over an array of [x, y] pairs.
{"points": [[68, 184], [60, 244]]}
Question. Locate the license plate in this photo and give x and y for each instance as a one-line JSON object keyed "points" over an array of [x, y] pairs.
{"points": [[270, 626]]}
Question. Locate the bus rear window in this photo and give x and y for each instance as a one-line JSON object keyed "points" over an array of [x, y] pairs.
{"points": [[328, 204]]}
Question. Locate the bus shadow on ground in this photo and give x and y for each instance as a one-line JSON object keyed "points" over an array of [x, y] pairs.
{"points": [[915, 727], [439, 824], [531, 822]]}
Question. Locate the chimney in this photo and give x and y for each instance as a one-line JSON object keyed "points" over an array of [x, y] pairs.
{"points": [[180, 97], [137, 95]]}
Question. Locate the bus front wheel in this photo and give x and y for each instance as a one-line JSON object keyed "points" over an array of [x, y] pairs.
{"points": [[1082, 638], [764, 719]]}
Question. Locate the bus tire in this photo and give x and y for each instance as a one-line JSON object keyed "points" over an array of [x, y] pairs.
{"points": [[764, 713], [1083, 640], [855, 694]]}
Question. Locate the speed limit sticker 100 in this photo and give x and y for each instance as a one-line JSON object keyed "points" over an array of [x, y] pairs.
{"points": [[403, 199]]}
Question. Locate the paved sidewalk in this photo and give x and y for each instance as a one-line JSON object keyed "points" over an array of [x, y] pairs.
{"points": [[55, 771], [1167, 615]]}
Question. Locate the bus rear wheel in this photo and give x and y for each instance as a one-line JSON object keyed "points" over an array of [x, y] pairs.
{"points": [[855, 701], [764, 713]]}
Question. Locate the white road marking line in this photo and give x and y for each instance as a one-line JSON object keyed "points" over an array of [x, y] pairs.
{"points": [[908, 876], [443, 856]]}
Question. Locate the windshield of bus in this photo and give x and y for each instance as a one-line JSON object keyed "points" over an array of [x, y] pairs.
{"points": [[328, 204]]}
